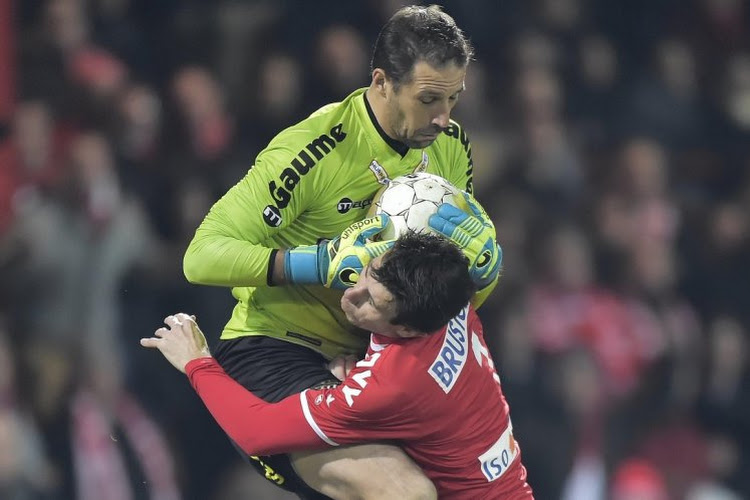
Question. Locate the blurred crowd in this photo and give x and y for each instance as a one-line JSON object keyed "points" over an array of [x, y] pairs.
{"points": [[611, 146]]}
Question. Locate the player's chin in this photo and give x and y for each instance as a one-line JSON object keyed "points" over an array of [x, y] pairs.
{"points": [[421, 141], [421, 144]]}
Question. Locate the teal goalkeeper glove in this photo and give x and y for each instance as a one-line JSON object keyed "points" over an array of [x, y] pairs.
{"points": [[337, 263], [475, 236]]}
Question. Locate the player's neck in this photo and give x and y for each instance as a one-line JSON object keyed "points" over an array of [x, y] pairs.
{"points": [[378, 106], [373, 101]]}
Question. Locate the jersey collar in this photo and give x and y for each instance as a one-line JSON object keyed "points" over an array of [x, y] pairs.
{"points": [[397, 146]]}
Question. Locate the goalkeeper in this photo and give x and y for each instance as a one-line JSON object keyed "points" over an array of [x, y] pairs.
{"points": [[267, 236]]}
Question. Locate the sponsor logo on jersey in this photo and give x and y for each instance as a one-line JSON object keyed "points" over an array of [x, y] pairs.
{"points": [[272, 216], [495, 461], [378, 170], [346, 204], [422, 165], [281, 189], [452, 355]]}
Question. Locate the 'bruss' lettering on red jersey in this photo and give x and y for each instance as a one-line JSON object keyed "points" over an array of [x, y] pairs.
{"points": [[306, 159]]}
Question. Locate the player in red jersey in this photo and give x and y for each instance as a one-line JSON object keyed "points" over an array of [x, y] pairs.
{"points": [[427, 383]]}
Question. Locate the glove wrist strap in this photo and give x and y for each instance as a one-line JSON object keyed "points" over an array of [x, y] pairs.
{"points": [[301, 265]]}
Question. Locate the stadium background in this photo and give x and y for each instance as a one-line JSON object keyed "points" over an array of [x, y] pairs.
{"points": [[610, 141]]}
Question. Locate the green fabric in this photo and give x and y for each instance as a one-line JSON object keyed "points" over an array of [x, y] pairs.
{"points": [[313, 180]]}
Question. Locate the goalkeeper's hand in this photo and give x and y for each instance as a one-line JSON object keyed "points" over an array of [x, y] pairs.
{"points": [[337, 263], [475, 235]]}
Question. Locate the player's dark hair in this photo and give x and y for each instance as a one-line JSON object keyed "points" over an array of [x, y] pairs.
{"points": [[417, 33], [428, 277]]}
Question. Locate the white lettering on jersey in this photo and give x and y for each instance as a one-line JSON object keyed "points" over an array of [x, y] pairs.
{"points": [[359, 380], [369, 361], [350, 394], [495, 461], [452, 356], [480, 353]]}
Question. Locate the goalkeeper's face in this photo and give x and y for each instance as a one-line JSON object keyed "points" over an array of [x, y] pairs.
{"points": [[370, 306], [421, 108]]}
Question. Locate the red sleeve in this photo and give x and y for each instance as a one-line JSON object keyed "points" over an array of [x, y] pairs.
{"points": [[373, 403], [258, 427]]}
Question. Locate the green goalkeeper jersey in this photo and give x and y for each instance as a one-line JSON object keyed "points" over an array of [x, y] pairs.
{"points": [[312, 181]]}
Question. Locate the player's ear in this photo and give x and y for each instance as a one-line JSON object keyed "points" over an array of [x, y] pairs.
{"points": [[407, 333], [378, 78]]}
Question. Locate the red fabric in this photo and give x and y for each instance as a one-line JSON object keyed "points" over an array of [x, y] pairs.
{"points": [[394, 394], [259, 428]]}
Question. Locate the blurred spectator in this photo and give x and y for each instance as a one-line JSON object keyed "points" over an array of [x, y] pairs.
{"points": [[278, 101], [24, 473], [664, 101], [202, 142], [118, 451], [724, 405], [341, 63], [24, 470], [545, 163], [594, 91], [637, 479]]}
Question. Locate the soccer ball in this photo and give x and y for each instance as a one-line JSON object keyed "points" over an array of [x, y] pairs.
{"points": [[410, 200]]}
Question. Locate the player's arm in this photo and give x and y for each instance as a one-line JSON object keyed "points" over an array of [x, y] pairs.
{"points": [[227, 250], [363, 408], [256, 426]]}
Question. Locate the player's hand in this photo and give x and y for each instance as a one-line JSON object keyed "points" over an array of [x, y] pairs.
{"points": [[337, 263], [180, 342], [340, 366], [475, 235]]}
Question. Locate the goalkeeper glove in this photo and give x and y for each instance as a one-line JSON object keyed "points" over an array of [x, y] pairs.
{"points": [[337, 263], [475, 236]]}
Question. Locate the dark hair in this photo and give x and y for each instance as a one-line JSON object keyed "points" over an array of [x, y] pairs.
{"points": [[429, 278], [416, 33]]}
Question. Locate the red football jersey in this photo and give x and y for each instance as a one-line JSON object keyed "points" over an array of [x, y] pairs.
{"points": [[437, 396]]}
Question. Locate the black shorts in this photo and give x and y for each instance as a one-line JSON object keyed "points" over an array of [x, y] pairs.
{"points": [[273, 369]]}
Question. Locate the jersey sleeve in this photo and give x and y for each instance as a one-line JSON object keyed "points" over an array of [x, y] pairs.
{"points": [[482, 294], [461, 173], [258, 427], [369, 405], [232, 246]]}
